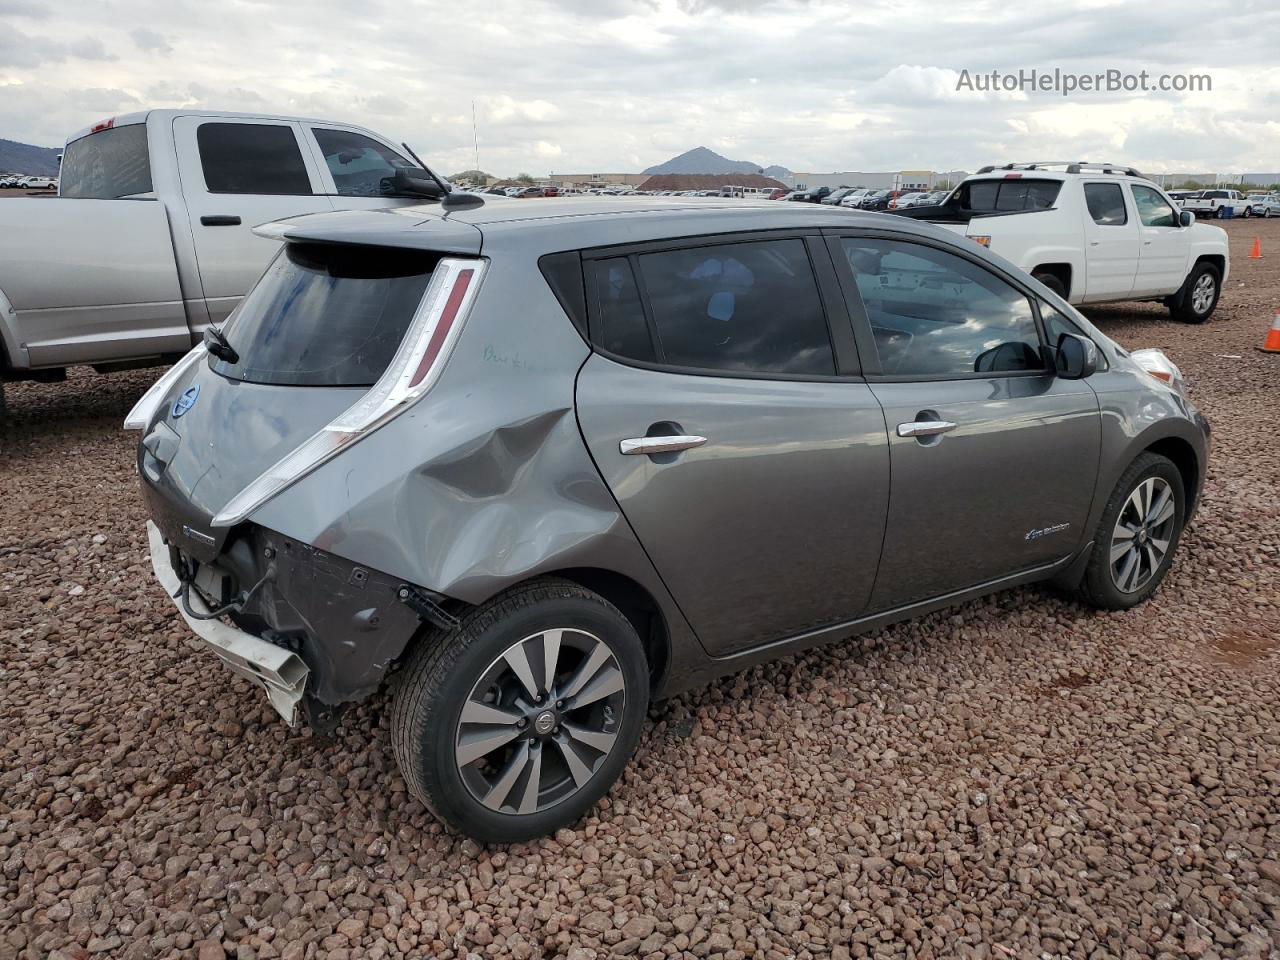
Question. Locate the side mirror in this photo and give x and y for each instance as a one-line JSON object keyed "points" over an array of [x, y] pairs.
{"points": [[1077, 357], [1186, 218]]}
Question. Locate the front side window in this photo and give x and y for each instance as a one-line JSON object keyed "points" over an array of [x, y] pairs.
{"points": [[935, 314], [252, 158], [360, 165], [1106, 204], [326, 315], [107, 165], [1153, 209], [750, 307]]}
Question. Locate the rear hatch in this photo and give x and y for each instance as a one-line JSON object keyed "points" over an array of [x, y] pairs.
{"points": [[316, 332]]}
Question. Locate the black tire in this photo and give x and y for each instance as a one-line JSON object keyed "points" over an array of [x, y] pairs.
{"points": [[1099, 587], [1052, 281], [438, 680], [1183, 307], [1248, 212]]}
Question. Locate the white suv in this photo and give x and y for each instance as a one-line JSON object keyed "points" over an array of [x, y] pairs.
{"points": [[1092, 233]]}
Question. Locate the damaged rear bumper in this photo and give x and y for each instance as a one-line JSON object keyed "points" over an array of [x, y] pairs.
{"points": [[280, 673]]}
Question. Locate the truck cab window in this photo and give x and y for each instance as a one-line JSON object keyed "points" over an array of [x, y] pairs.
{"points": [[1106, 204], [360, 165], [252, 158], [1153, 209], [107, 165]]}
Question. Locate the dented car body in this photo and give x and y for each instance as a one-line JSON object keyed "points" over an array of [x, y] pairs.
{"points": [[419, 411]]}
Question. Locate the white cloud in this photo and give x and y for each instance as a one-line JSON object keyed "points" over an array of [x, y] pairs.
{"points": [[621, 84]]}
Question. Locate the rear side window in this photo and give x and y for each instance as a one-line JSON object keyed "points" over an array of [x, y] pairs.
{"points": [[620, 326], [1106, 204], [934, 314], [989, 196], [107, 165], [737, 307], [252, 158], [360, 165], [326, 315]]}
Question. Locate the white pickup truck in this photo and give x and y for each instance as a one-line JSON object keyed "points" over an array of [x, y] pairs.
{"points": [[148, 241], [1210, 203], [1092, 233]]}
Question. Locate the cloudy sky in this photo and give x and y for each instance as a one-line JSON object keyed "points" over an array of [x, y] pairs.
{"points": [[617, 85]]}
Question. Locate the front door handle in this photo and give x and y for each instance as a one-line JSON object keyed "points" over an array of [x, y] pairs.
{"points": [[925, 428], [220, 220], [651, 445]]}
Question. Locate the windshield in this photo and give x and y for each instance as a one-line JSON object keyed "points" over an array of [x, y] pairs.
{"points": [[326, 315], [107, 165]]}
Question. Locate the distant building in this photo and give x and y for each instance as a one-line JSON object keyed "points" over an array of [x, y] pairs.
{"points": [[588, 180], [708, 181]]}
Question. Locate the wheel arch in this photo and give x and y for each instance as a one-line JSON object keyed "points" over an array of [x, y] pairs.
{"points": [[1059, 270], [1184, 457], [635, 603]]}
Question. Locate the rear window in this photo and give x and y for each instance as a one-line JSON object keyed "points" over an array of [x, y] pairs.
{"points": [[107, 165], [326, 316], [989, 196]]}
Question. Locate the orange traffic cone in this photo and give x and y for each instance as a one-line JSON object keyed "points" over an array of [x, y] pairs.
{"points": [[1257, 250], [1272, 343]]}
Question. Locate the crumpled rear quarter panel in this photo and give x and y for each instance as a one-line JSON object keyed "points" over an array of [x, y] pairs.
{"points": [[486, 481]]}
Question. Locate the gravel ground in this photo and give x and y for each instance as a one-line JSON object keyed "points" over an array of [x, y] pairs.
{"points": [[1016, 777]]}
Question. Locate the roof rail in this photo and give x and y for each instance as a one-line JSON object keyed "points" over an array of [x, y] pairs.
{"points": [[1071, 166]]}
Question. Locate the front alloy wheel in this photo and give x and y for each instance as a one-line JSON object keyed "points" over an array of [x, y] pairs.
{"points": [[1142, 534], [1137, 534]]}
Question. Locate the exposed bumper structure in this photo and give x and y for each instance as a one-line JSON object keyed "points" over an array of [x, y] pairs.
{"points": [[279, 672]]}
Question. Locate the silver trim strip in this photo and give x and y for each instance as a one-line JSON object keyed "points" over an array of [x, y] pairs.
{"points": [[925, 428], [652, 445]]}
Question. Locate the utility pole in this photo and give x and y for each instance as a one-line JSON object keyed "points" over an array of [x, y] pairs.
{"points": [[475, 136]]}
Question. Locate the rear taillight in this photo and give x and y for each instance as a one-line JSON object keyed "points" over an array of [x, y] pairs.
{"points": [[413, 370], [140, 416]]}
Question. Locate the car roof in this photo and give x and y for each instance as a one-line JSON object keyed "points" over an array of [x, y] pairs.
{"points": [[545, 225]]}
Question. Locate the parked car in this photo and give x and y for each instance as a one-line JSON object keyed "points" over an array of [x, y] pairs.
{"points": [[532, 529], [39, 183], [835, 196], [1092, 233], [776, 194], [854, 197], [922, 199], [1210, 203], [809, 195], [1268, 205], [875, 200], [525, 193], [904, 198], [148, 242]]}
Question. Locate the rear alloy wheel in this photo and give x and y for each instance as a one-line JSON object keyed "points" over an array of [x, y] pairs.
{"points": [[515, 723], [1137, 535]]}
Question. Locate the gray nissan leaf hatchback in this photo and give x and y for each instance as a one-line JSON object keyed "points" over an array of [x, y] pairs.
{"points": [[533, 465]]}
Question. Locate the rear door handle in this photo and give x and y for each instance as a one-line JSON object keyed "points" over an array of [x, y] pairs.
{"points": [[651, 445], [925, 428], [220, 220]]}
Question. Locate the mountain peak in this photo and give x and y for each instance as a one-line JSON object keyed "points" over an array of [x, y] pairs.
{"points": [[706, 160]]}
